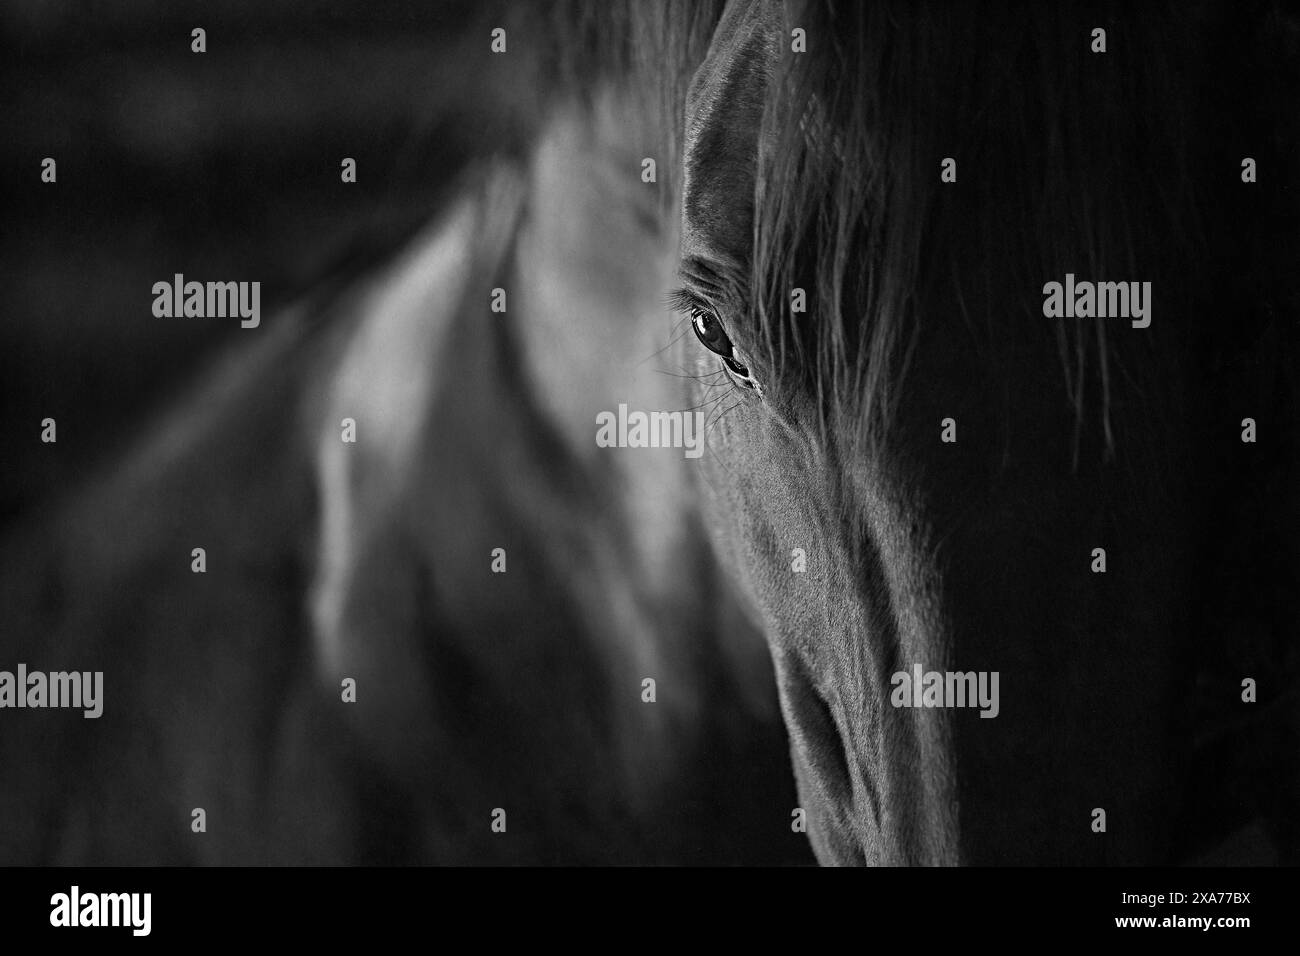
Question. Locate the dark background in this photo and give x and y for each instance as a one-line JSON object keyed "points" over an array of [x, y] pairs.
{"points": [[221, 165]]}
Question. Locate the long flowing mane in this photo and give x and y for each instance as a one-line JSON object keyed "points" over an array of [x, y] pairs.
{"points": [[1070, 161]]}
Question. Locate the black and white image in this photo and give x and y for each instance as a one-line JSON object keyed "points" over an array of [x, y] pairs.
{"points": [[649, 432]]}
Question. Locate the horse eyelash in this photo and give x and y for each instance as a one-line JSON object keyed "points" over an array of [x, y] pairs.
{"points": [[686, 302]]}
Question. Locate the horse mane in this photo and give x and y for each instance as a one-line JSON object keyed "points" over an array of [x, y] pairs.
{"points": [[1068, 161], [576, 50]]}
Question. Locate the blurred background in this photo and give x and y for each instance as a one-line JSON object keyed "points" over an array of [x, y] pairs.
{"points": [[223, 165]]}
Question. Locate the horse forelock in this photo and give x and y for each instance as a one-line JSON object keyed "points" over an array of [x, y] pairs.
{"points": [[849, 206]]}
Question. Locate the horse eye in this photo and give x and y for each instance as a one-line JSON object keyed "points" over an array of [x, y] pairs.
{"points": [[739, 369], [710, 333]]}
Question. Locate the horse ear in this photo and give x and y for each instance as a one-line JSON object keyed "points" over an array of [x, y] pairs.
{"points": [[724, 115]]}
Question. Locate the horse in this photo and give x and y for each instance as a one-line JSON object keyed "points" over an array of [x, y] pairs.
{"points": [[440, 622], [431, 622], [919, 468]]}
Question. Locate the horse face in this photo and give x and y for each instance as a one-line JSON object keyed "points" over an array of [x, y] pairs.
{"points": [[814, 541], [875, 564]]}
